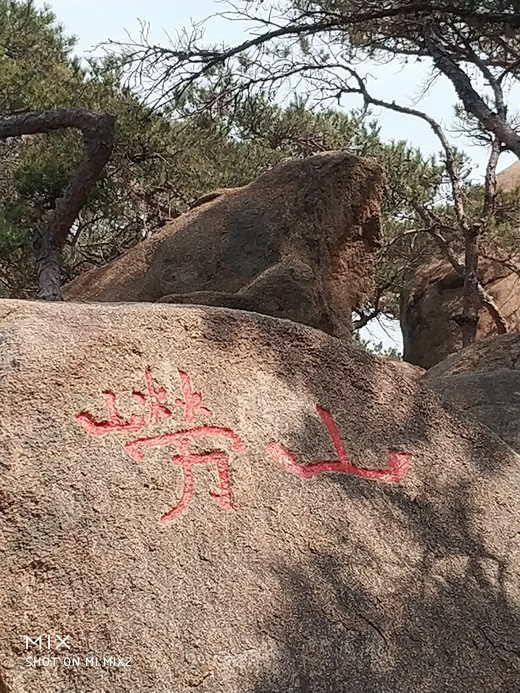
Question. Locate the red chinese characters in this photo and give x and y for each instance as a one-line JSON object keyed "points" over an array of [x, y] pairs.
{"points": [[186, 458], [398, 462], [192, 400], [115, 423]]}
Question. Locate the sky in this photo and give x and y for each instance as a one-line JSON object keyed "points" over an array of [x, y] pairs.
{"points": [[95, 21]]}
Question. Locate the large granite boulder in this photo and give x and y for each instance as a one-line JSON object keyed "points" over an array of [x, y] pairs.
{"points": [[296, 243], [432, 303], [214, 500], [484, 381]]}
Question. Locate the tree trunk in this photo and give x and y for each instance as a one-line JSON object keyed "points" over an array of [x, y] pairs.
{"points": [[50, 236], [47, 264], [471, 300]]}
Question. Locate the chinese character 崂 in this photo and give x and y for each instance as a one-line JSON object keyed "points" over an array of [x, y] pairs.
{"points": [[186, 458]]}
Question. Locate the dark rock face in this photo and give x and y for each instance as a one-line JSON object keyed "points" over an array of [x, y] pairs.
{"points": [[498, 353], [201, 498], [432, 302], [492, 398], [297, 243], [484, 381], [432, 299]]}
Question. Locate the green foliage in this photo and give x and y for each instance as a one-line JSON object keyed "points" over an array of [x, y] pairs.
{"points": [[162, 161], [35, 68]]}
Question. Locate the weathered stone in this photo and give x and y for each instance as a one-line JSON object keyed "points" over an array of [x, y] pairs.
{"points": [[333, 583], [298, 243], [500, 352], [484, 381], [509, 179], [409, 370], [432, 301]]}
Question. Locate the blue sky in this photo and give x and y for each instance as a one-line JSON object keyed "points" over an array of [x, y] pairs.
{"points": [[95, 21]]}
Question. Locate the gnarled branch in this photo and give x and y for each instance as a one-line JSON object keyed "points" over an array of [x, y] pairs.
{"points": [[51, 234]]}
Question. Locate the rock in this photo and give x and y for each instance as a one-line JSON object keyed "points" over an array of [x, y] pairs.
{"points": [[484, 381], [297, 243], [412, 372], [432, 300], [501, 352], [288, 289], [333, 527], [509, 179]]}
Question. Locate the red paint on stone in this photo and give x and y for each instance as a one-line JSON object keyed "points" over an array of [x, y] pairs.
{"points": [[192, 400], [156, 398], [114, 424], [398, 462], [186, 459]]}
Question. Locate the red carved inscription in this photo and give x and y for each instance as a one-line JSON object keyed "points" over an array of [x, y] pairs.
{"points": [[115, 423], [186, 458], [192, 400], [157, 396], [398, 462]]}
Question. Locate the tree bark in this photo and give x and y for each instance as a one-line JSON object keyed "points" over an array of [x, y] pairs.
{"points": [[471, 99], [98, 136], [471, 302]]}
